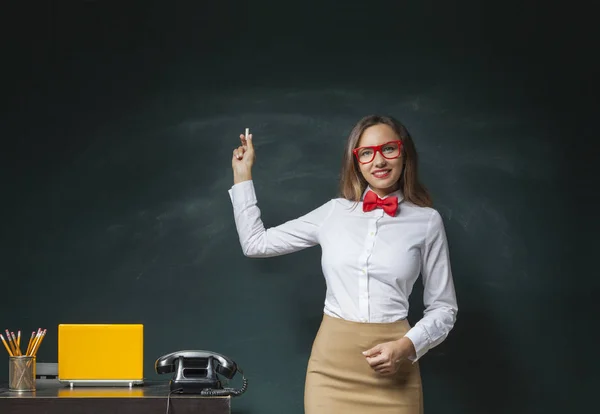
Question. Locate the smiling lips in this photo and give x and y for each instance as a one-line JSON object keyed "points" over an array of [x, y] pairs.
{"points": [[381, 173]]}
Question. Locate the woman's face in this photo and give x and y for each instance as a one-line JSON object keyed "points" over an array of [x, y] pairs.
{"points": [[381, 173]]}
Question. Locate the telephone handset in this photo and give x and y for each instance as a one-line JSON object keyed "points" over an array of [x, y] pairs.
{"points": [[195, 372]]}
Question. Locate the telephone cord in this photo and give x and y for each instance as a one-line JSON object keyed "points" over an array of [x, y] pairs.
{"points": [[169, 397], [227, 391]]}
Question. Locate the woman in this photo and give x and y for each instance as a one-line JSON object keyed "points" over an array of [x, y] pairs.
{"points": [[376, 239]]}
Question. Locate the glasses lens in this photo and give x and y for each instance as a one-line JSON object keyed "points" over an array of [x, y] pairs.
{"points": [[366, 155], [391, 150]]}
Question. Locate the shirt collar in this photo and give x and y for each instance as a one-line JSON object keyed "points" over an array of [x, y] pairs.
{"points": [[398, 193]]}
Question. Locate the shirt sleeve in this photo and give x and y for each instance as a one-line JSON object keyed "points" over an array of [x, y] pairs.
{"points": [[289, 237], [439, 296]]}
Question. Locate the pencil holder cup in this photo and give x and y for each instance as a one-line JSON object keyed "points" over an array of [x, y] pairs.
{"points": [[21, 373]]}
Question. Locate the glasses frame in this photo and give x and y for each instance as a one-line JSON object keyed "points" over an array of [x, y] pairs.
{"points": [[377, 148]]}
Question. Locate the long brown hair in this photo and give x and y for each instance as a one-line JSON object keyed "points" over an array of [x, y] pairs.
{"points": [[353, 184]]}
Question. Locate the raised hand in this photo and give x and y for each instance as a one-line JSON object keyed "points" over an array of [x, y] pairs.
{"points": [[243, 160]]}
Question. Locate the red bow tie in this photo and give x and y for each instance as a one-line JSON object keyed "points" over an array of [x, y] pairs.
{"points": [[388, 204]]}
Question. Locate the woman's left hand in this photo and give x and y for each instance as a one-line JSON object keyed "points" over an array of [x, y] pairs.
{"points": [[385, 358]]}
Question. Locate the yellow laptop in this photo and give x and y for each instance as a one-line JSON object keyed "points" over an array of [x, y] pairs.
{"points": [[101, 354]]}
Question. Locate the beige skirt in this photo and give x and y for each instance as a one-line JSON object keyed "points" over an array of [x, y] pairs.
{"points": [[339, 379]]}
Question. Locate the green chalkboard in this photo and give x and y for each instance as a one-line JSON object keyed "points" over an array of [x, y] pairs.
{"points": [[118, 163]]}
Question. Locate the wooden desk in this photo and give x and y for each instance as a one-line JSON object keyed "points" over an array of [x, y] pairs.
{"points": [[52, 397]]}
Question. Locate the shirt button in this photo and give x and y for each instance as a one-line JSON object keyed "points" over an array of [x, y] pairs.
{"points": [[371, 234]]}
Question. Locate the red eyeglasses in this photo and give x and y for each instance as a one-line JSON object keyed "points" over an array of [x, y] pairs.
{"points": [[389, 150]]}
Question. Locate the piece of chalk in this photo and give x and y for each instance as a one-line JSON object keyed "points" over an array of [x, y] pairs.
{"points": [[247, 132]]}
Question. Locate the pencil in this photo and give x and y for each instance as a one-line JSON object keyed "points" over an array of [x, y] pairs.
{"points": [[19, 342], [30, 343], [35, 341], [14, 340], [34, 351], [6, 345], [9, 340]]}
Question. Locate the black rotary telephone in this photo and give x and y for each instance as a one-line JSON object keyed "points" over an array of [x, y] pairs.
{"points": [[196, 372]]}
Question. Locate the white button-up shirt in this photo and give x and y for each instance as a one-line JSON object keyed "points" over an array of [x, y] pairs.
{"points": [[370, 260]]}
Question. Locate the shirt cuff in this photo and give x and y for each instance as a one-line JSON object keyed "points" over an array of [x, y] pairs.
{"points": [[242, 194], [420, 340]]}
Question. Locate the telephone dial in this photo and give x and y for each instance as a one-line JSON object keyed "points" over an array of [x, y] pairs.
{"points": [[195, 372]]}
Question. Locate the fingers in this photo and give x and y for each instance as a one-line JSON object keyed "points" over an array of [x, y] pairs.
{"points": [[246, 141], [238, 153], [246, 150], [377, 360], [381, 361], [385, 368], [373, 351]]}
